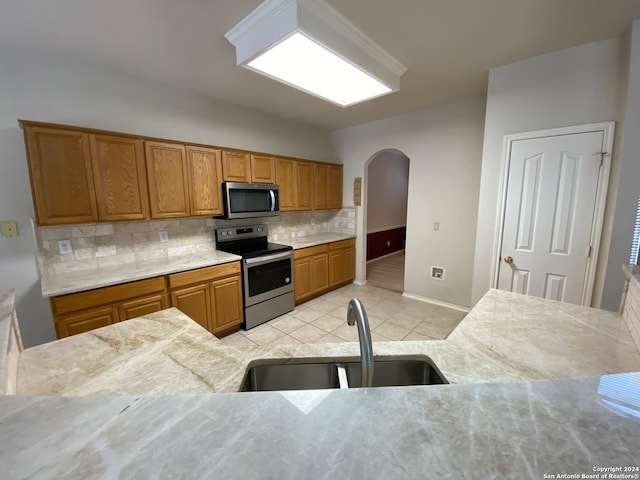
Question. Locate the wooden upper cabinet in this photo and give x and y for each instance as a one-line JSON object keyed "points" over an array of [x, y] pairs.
{"points": [[61, 176], [303, 185], [320, 171], [236, 166], [120, 178], [334, 186], [167, 176], [284, 178], [263, 169], [205, 179]]}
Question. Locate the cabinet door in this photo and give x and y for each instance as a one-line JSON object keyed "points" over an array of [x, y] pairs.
{"points": [[284, 178], [336, 267], [142, 306], [194, 302], [236, 167], [167, 176], [302, 283], [85, 320], [120, 178], [320, 186], [349, 264], [334, 186], [61, 176], [205, 177], [319, 273], [263, 169], [303, 186], [227, 303]]}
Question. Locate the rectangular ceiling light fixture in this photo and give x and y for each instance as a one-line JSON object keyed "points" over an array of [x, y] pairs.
{"points": [[309, 45]]}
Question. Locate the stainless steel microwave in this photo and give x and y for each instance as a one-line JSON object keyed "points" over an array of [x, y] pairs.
{"points": [[248, 200]]}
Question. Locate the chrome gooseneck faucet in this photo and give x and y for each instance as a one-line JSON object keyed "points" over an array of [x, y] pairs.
{"points": [[356, 312]]}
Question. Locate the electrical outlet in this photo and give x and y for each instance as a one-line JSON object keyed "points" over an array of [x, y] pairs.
{"points": [[164, 236], [9, 229], [64, 247], [436, 226], [313, 221]]}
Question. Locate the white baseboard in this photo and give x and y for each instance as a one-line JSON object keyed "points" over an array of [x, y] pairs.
{"points": [[436, 302]]}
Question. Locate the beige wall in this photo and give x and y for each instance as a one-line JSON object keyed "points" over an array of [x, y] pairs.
{"points": [[444, 146], [387, 184], [61, 91], [570, 87]]}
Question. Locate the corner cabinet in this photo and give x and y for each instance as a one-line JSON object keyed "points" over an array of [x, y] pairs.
{"points": [[211, 296]]}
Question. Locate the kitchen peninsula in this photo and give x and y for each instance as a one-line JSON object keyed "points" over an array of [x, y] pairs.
{"points": [[125, 417]]}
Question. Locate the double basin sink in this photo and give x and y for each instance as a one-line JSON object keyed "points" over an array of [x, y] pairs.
{"points": [[301, 374]]}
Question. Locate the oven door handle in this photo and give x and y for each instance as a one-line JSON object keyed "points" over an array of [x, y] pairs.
{"points": [[268, 258], [273, 200]]}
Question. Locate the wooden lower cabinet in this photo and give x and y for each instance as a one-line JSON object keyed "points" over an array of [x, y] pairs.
{"points": [[81, 312], [342, 262], [323, 267], [85, 320], [311, 272], [211, 296]]}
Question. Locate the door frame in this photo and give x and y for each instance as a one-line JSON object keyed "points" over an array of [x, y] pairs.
{"points": [[608, 129]]}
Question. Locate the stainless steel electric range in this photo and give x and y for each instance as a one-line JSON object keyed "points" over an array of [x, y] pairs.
{"points": [[267, 272]]}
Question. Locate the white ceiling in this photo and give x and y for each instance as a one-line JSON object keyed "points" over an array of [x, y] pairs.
{"points": [[447, 45]]}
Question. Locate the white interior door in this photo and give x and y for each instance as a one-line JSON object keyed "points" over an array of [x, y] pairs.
{"points": [[549, 212]]}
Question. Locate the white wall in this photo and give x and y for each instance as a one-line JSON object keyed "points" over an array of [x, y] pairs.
{"points": [[444, 146], [628, 189], [61, 91], [388, 181], [570, 87]]}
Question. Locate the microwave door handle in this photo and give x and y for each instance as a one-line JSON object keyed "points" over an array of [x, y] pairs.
{"points": [[273, 200]]}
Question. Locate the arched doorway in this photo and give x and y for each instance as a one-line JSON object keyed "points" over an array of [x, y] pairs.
{"points": [[387, 180]]}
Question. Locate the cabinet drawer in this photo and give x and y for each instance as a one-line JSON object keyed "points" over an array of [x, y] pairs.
{"points": [[349, 243], [203, 274], [102, 296], [306, 252]]}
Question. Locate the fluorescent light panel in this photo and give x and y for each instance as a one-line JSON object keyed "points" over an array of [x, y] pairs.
{"points": [[305, 64]]}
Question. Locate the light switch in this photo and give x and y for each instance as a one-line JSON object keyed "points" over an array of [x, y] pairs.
{"points": [[436, 226], [9, 229]]}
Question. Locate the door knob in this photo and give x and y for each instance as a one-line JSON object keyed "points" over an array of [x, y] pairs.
{"points": [[508, 259]]}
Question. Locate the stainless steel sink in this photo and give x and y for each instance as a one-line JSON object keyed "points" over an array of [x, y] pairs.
{"points": [[302, 375]]}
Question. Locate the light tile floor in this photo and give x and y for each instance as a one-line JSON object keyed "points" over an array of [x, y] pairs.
{"points": [[324, 320]]}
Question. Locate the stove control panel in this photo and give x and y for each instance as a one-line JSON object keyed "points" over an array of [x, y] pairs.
{"points": [[246, 231]]}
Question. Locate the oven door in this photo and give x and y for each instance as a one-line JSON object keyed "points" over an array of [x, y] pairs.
{"points": [[267, 277]]}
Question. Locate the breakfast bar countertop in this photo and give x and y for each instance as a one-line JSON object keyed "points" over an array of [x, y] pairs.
{"points": [[134, 400], [505, 337]]}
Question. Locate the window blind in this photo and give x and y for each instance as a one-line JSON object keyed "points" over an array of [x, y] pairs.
{"points": [[633, 260]]}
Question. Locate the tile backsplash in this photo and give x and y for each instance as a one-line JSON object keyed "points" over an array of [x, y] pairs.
{"points": [[109, 244]]}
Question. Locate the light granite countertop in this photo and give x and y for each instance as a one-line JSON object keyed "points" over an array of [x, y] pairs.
{"points": [[127, 415], [313, 240], [82, 280], [505, 337], [10, 342], [518, 430]]}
